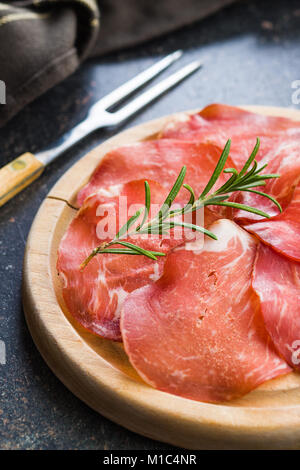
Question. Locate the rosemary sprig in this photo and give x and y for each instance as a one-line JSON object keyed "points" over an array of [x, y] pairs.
{"points": [[248, 178]]}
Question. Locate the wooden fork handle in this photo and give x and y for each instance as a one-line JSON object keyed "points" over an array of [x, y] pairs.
{"points": [[17, 175]]}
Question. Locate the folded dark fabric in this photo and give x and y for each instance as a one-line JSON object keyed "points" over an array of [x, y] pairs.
{"points": [[44, 41], [129, 22], [41, 43]]}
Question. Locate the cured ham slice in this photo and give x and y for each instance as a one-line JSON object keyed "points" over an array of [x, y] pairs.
{"points": [[283, 160], [282, 232], [279, 147], [198, 332], [276, 281], [95, 295], [217, 123], [158, 160]]}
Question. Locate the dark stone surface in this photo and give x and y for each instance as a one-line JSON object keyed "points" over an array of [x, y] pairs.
{"points": [[252, 54]]}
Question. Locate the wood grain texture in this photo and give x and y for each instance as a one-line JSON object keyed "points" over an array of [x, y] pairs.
{"points": [[98, 371], [18, 174]]}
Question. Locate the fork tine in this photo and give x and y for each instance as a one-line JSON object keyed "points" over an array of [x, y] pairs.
{"points": [[132, 85], [155, 92]]}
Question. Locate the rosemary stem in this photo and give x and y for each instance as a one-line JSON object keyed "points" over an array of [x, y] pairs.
{"points": [[247, 179]]}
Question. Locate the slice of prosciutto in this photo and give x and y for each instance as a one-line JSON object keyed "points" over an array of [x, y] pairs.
{"points": [[279, 147], [198, 332], [217, 123], [282, 232], [283, 160], [158, 160], [95, 295], [276, 281]]}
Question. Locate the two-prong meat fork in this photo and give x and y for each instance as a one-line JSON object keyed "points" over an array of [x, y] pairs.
{"points": [[18, 174]]}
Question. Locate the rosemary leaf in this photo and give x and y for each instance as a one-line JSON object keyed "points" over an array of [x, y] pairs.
{"points": [[261, 168], [192, 194], [194, 227], [126, 252], [267, 177], [243, 207], [129, 223], [251, 158], [229, 182], [138, 249], [231, 170], [214, 200], [248, 185], [188, 206], [217, 170], [265, 195], [147, 205], [172, 194], [118, 251]]}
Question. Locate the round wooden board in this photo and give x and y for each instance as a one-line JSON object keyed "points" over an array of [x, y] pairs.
{"points": [[98, 372]]}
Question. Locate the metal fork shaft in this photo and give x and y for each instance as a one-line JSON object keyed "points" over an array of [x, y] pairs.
{"points": [[102, 118], [154, 92], [135, 83], [98, 117], [73, 136]]}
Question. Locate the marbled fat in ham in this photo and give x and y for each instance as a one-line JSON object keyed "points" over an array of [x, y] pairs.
{"points": [[158, 160], [198, 323], [276, 281], [198, 332], [279, 147], [95, 295], [282, 232]]}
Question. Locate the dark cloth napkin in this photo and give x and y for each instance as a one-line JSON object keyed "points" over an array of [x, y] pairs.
{"points": [[44, 41]]}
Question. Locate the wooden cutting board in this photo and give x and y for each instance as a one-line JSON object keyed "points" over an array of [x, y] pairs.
{"points": [[97, 370]]}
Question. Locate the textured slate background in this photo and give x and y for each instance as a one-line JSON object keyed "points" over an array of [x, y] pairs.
{"points": [[252, 54]]}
